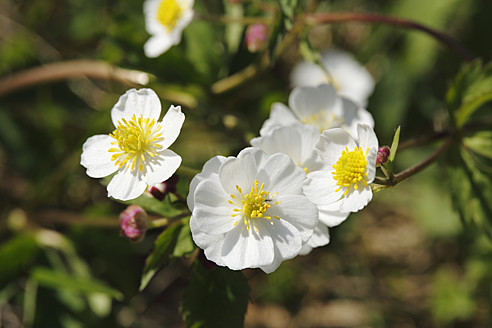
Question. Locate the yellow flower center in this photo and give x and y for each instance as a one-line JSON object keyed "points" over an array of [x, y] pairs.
{"points": [[323, 120], [136, 140], [253, 205], [350, 169], [169, 13]]}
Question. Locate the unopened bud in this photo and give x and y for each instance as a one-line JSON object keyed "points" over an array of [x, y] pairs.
{"points": [[133, 223], [383, 154], [256, 36], [160, 190]]}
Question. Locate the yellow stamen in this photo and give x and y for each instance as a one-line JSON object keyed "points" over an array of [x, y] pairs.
{"points": [[169, 13], [350, 169], [134, 140]]}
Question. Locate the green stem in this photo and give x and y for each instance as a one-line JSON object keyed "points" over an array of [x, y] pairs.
{"points": [[341, 17]]}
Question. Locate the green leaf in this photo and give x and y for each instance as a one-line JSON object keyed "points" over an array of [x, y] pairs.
{"points": [[165, 207], [288, 8], [184, 244], [63, 281], [480, 143], [394, 145], [471, 89], [215, 297], [161, 255], [15, 255], [470, 186]]}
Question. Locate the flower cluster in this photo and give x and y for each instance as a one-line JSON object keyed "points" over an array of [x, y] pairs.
{"points": [[311, 166]]}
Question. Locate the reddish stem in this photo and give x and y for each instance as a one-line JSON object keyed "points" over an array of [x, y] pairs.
{"points": [[395, 21]]}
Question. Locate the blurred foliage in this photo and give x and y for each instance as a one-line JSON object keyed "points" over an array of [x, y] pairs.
{"points": [[403, 262]]}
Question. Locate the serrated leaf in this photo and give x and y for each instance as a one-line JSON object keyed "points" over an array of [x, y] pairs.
{"points": [[161, 254], [63, 281], [480, 143], [215, 297], [471, 89], [470, 187]]}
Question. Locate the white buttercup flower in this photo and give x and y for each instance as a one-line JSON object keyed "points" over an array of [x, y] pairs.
{"points": [[298, 141], [250, 211], [137, 149], [345, 187], [320, 106], [340, 69], [165, 21]]}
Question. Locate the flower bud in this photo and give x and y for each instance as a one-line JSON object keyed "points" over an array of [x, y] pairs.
{"points": [[133, 223], [160, 190], [256, 36], [383, 154]]}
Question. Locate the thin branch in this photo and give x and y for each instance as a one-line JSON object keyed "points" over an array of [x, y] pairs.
{"points": [[72, 69], [422, 165], [382, 19]]}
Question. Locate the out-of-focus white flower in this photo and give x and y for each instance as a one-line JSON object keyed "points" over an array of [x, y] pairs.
{"points": [[137, 149], [340, 69], [320, 106], [345, 187], [165, 21], [298, 143], [250, 211]]}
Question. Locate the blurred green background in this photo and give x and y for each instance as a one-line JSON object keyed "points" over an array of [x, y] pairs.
{"points": [[404, 261]]}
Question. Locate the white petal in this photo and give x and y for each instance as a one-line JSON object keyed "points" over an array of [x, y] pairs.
{"points": [[307, 74], [286, 240], [211, 244], [332, 142], [161, 167], [320, 188], [367, 137], [280, 174], [306, 101], [320, 237], [365, 117], [350, 116], [96, 157], [238, 172], [298, 211], [126, 186], [211, 210], [157, 45], [280, 115], [353, 80], [171, 125], [210, 167], [244, 248], [355, 200], [371, 164], [332, 217], [142, 102]]}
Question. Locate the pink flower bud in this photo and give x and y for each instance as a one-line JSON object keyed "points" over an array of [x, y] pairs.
{"points": [[133, 223], [383, 153], [160, 190], [256, 36]]}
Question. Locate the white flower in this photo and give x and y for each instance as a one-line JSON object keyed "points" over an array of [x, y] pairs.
{"points": [[340, 69], [320, 106], [165, 21], [137, 149], [298, 143], [249, 211], [345, 187]]}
